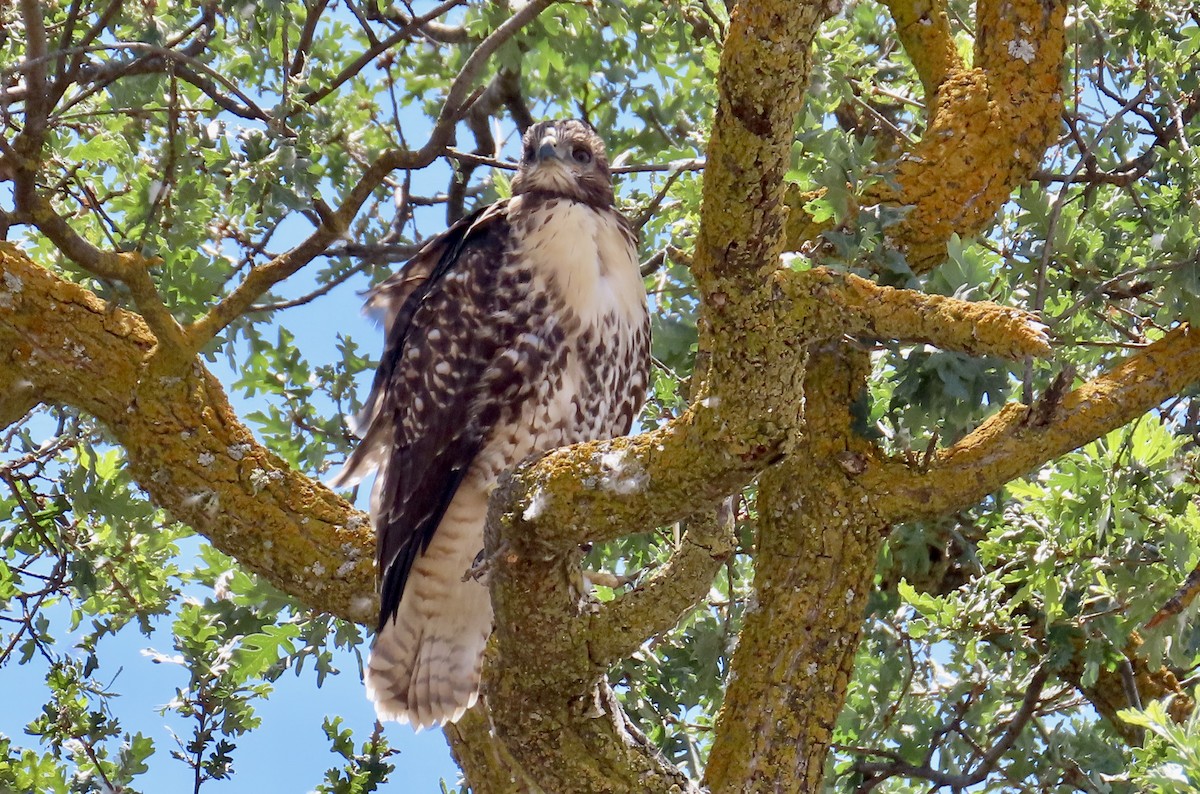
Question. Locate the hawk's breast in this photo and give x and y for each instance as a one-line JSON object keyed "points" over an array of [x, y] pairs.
{"points": [[579, 268]]}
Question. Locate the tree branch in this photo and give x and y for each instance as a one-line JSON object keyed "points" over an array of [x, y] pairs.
{"points": [[603, 490], [485, 762], [455, 105], [987, 131], [924, 29], [37, 105], [16, 401], [764, 69], [362, 61], [863, 308], [129, 268], [184, 444], [989, 760], [558, 717], [1008, 445], [1109, 693], [620, 627]]}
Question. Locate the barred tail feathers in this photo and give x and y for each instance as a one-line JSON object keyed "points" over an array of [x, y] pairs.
{"points": [[426, 661]]}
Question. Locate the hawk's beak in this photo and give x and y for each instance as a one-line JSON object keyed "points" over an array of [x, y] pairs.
{"points": [[548, 149]]}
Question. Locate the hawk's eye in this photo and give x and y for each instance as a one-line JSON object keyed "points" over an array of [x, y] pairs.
{"points": [[529, 152], [581, 156]]}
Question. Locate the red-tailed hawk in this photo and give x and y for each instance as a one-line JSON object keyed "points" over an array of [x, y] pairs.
{"points": [[521, 328]]}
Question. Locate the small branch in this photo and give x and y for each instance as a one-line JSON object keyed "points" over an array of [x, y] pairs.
{"points": [[332, 227], [655, 606], [37, 99], [656, 201], [434, 31], [676, 166], [1008, 446], [311, 18], [1180, 601], [362, 61], [324, 289], [456, 98], [190, 69], [1012, 732]]}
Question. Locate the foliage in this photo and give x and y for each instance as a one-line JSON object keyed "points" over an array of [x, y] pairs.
{"points": [[210, 138]]}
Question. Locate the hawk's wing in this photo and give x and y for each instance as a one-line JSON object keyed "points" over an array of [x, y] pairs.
{"points": [[417, 426]]}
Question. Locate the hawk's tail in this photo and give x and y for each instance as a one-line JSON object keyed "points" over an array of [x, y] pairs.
{"points": [[425, 664]]}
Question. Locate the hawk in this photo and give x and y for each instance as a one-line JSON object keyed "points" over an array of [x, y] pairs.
{"points": [[521, 328]]}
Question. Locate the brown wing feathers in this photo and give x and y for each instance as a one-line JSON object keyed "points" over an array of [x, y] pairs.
{"points": [[419, 427]]}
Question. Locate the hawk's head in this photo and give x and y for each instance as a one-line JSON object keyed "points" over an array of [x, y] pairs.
{"points": [[564, 158]]}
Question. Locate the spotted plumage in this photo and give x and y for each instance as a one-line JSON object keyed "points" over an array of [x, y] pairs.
{"points": [[521, 328]]}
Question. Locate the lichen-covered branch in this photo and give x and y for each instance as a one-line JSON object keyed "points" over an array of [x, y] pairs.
{"points": [[924, 29], [816, 543], [603, 490], [127, 267], [184, 444], [549, 703], [620, 627], [485, 763], [558, 716], [860, 307], [987, 130], [1013, 443], [1111, 691], [764, 68]]}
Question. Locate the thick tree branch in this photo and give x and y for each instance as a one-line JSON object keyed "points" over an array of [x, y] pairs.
{"points": [[579, 738], [924, 30], [860, 307], [1010, 445], [558, 718], [184, 444], [987, 131], [608, 489], [620, 627], [129, 268], [816, 543], [765, 64], [484, 762]]}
